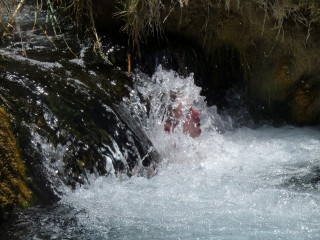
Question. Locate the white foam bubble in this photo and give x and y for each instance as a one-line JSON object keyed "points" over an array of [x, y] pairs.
{"points": [[235, 185]]}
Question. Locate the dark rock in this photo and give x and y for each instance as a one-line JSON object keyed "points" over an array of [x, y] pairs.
{"points": [[243, 41]]}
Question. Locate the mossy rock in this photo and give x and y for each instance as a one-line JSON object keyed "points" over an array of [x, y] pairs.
{"points": [[14, 190]]}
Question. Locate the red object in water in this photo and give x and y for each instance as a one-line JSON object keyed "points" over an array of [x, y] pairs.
{"points": [[191, 123]]}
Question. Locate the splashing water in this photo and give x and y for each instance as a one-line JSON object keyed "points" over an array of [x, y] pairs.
{"points": [[226, 184], [229, 183]]}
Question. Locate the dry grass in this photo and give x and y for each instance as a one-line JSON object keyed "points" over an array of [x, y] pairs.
{"points": [[145, 18], [77, 11], [303, 12], [9, 11], [142, 18], [80, 12]]}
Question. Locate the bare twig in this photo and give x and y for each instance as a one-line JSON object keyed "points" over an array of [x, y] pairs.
{"points": [[14, 16]]}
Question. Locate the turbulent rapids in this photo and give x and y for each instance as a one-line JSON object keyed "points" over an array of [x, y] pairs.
{"points": [[101, 142], [229, 183]]}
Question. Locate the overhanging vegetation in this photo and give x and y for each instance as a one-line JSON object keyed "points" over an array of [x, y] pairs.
{"points": [[143, 18]]}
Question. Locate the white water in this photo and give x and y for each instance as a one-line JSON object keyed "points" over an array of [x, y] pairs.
{"points": [[230, 183]]}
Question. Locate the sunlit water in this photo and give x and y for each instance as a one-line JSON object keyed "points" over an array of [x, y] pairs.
{"points": [[230, 183]]}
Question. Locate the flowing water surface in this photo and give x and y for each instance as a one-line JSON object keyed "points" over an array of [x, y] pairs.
{"points": [[230, 183], [237, 180]]}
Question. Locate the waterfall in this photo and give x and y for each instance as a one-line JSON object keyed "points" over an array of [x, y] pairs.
{"points": [[97, 139], [229, 183]]}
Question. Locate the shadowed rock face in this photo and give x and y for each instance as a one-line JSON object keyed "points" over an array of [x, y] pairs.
{"points": [[14, 190], [306, 104], [273, 65], [274, 51]]}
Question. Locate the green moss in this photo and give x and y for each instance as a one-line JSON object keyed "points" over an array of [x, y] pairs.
{"points": [[14, 190]]}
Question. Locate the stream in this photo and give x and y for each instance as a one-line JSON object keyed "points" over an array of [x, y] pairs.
{"points": [[237, 180]]}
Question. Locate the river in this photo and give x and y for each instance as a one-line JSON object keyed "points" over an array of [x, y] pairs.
{"points": [[237, 180], [230, 183]]}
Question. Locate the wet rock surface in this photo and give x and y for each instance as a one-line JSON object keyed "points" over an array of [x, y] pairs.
{"points": [[76, 119], [64, 109]]}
